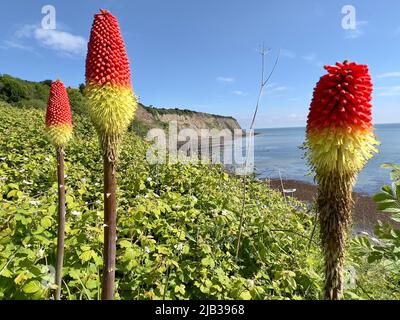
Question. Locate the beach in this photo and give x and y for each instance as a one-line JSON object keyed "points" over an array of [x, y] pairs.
{"points": [[365, 213]]}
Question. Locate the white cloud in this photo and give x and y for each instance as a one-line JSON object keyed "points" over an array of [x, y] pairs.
{"points": [[239, 93], [390, 91], [274, 88], [389, 75], [313, 58], [288, 54], [296, 117], [64, 43], [310, 57], [60, 41], [7, 44], [25, 31], [357, 32], [226, 79]]}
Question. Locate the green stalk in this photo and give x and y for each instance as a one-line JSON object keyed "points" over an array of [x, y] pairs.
{"points": [[61, 221]]}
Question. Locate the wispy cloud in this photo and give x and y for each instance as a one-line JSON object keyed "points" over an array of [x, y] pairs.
{"points": [[357, 32], [7, 44], [296, 117], [239, 93], [225, 79], [288, 54], [389, 91], [389, 75], [312, 58], [274, 88], [63, 42]]}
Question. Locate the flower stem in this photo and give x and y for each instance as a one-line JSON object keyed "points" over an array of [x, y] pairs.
{"points": [[110, 229], [61, 221]]}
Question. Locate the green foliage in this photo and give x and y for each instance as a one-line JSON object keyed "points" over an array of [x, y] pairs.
{"points": [[177, 224], [12, 90], [139, 127], [78, 101], [388, 199], [377, 257], [161, 111], [82, 87]]}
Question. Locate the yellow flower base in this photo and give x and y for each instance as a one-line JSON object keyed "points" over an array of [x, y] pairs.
{"points": [[59, 135], [112, 108], [340, 150]]}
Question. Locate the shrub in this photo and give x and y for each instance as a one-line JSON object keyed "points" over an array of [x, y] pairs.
{"points": [[12, 90], [178, 225], [377, 257]]}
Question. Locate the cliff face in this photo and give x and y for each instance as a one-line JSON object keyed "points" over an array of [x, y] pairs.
{"points": [[160, 118]]}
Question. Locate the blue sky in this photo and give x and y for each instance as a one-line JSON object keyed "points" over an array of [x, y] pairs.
{"points": [[203, 55]]}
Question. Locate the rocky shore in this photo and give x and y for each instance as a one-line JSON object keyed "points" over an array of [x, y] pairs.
{"points": [[365, 213]]}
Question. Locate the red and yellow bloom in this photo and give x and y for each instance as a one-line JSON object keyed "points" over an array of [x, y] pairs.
{"points": [[108, 79], [339, 128], [58, 115]]}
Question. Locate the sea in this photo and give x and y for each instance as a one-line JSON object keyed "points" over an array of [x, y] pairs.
{"points": [[277, 154]]}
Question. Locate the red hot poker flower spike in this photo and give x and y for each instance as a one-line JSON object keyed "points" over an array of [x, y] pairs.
{"points": [[339, 128], [58, 115], [340, 141], [112, 103]]}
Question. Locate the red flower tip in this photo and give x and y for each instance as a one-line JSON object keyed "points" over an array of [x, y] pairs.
{"points": [[342, 98], [104, 11], [107, 61], [58, 107]]}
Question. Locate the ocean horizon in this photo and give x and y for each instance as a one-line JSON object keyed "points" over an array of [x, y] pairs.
{"points": [[277, 150], [304, 127]]}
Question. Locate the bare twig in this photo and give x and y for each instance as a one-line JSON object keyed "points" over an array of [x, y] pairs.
{"points": [[263, 84], [313, 230], [10, 259]]}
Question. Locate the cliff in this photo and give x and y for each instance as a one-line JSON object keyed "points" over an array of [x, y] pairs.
{"points": [[24, 93], [159, 118]]}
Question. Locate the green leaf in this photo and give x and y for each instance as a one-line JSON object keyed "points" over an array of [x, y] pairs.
{"points": [[74, 273], [52, 209], [46, 222], [32, 286], [381, 197], [86, 256], [208, 261], [91, 284], [245, 295], [125, 243]]}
